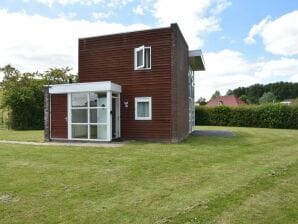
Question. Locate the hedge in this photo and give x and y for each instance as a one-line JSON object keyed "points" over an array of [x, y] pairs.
{"points": [[263, 116]]}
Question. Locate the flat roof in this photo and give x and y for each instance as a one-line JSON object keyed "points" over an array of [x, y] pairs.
{"points": [[84, 87], [196, 60]]}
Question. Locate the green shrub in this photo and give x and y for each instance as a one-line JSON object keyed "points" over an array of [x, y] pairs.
{"points": [[263, 116]]}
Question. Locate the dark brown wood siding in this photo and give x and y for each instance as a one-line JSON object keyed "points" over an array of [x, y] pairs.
{"points": [[111, 58], [180, 91], [58, 116]]}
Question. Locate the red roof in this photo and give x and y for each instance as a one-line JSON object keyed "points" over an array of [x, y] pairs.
{"points": [[226, 101]]}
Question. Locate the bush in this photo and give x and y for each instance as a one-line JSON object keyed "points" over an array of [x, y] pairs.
{"points": [[263, 116]]}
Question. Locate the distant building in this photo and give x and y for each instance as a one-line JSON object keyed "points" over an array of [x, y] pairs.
{"points": [[287, 101], [231, 100]]}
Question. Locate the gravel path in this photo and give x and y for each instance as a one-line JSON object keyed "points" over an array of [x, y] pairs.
{"points": [[228, 134], [100, 144]]}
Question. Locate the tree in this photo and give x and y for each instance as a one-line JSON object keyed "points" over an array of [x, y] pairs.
{"points": [[59, 76], [229, 92], [201, 101], [215, 95], [244, 98], [267, 97], [23, 94], [239, 91], [282, 91]]}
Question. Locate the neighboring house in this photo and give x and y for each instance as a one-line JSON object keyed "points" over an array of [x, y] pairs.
{"points": [[136, 85], [288, 101], [231, 100]]}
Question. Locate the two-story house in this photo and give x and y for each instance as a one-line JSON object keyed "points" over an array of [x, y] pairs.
{"points": [[136, 85]]}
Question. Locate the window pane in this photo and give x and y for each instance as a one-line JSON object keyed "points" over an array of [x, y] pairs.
{"points": [[79, 99], [147, 57], [98, 99], [98, 132], [79, 116], [140, 59], [98, 115], [143, 109], [80, 131]]}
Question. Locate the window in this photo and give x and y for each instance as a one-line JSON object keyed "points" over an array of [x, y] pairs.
{"points": [[89, 115], [143, 108], [142, 57]]}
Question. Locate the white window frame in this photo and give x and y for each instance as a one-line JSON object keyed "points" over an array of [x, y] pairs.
{"points": [[142, 66], [88, 123], [143, 99]]}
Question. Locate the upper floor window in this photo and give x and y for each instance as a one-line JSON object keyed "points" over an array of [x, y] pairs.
{"points": [[142, 57]]}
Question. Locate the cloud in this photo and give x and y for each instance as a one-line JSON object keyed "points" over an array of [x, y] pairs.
{"points": [[50, 3], [138, 10], [196, 18], [101, 15], [280, 36], [227, 69], [109, 3], [283, 67], [36, 43], [255, 30]]}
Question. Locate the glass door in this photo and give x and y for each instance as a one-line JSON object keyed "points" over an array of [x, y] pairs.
{"points": [[89, 116]]}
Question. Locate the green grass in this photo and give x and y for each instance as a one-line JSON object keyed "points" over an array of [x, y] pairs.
{"points": [[251, 178], [28, 136]]}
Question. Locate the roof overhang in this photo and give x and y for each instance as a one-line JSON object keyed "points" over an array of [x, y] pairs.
{"points": [[196, 60], [84, 87]]}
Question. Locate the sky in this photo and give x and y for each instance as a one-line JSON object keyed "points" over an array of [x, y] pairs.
{"points": [[243, 41]]}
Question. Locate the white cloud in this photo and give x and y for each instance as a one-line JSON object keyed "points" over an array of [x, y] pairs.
{"points": [[36, 43], [101, 15], [229, 69], [282, 67], [294, 78], [117, 3], [279, 36], [66, 2], [109, 3], [255, 30], [139, 10], [196, 18], [225, 70]]}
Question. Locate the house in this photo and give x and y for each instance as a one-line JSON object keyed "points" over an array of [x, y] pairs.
{"points": [[136, 85], [231, 101], [288, 101]]}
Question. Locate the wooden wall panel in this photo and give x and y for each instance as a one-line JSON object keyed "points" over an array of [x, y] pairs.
{"points": [[58, 116], [181, 68], [111, 58]]}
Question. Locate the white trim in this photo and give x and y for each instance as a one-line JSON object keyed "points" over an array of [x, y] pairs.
{"points": [[142, 67], [88, 124], [143, 99], [109, 117], [85, 87], [119, 116], [69, 118], [136, 51]]}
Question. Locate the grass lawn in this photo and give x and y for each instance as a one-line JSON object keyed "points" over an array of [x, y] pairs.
{"points": [[251, 178], [28, 136]]}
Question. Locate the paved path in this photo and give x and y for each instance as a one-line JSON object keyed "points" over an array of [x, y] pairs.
{"points": [[213, 133], [88, 144]]}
